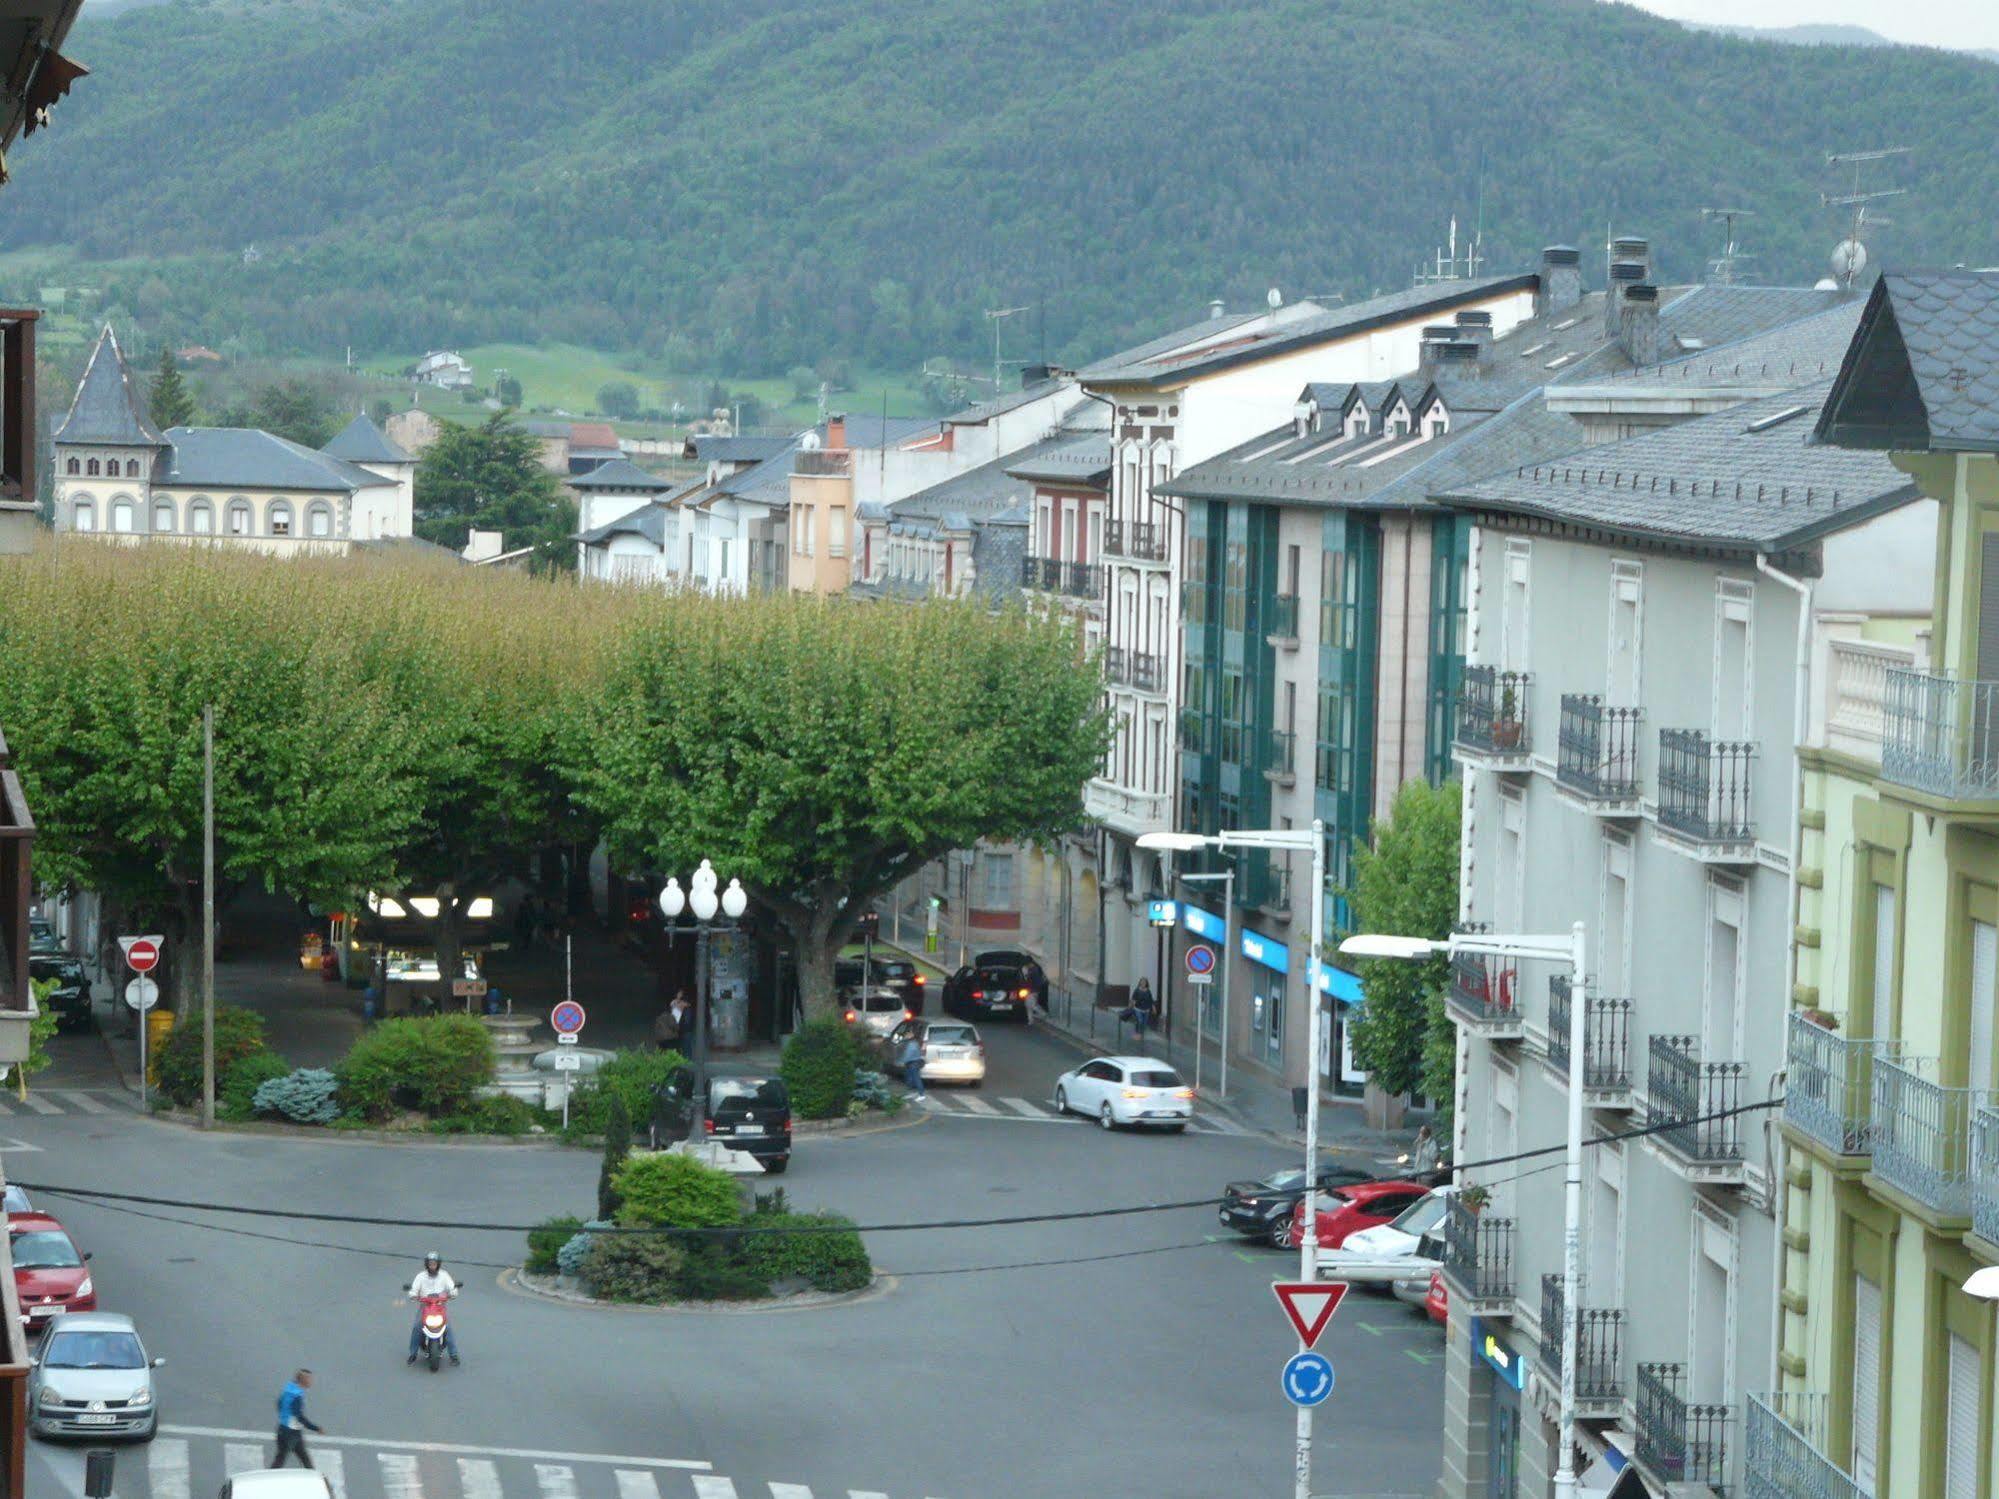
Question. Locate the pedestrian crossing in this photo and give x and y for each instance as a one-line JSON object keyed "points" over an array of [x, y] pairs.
{"points": [[41, 1102], [964, 1104]]}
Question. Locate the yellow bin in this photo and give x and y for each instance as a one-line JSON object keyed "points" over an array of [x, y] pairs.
{"points": [[159, 1024]]}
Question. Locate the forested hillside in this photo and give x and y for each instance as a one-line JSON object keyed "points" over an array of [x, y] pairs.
{"points": [[746, 184]]}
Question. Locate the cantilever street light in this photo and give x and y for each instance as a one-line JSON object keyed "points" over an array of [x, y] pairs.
{"points": [[704, 901], [1310, 840], [1558, 949]]}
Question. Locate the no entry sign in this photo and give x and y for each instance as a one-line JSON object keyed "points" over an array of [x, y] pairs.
{"points": [[142, 954]]}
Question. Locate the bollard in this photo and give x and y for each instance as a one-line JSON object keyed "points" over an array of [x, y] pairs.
{"points": [[97, 1469]]}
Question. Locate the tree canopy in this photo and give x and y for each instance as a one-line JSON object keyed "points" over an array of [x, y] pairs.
{"points": [[491, 477], [169, 401]]}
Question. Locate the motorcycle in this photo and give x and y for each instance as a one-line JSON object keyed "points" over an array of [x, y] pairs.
{"points": [[432, 1323]]}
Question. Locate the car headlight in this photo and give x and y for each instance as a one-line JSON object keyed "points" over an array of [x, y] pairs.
{"points": [[86, 1288], [141, 1397]]}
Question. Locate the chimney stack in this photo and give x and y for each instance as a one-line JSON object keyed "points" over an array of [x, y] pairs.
{"points": [[1216, 308], [1475, 327], [1638, 330], [836, 430], [1624, 274], [1430, 352], [1561, 279], [1627, 247]]}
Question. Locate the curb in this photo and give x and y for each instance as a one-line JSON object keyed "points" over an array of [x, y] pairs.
{"points": [[324, 1133], [515, 1282]]}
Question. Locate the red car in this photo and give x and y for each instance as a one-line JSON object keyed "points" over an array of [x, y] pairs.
{"points": [[1348, 1210], [49, 1274], [1438, 1302]]}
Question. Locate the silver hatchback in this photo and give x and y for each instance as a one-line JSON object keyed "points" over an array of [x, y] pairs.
{"points": [[91, 1378]]}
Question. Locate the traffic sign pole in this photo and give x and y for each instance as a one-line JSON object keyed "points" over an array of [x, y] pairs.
{"points": [[142, 956]]}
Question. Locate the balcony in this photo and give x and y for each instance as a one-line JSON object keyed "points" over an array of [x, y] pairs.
{"points": [[1126, 810], [1478, 1259], [1941, 735], [1704, 796], [1141, 541], [1857, 695], [1599, 1351], [1985, 1176], [1117, 665], [1783, 1450], [1691, 1110], [822, 463], [1481, 995], [1280, 758], [1148, 672], [1596, 757], [1264, 884], [1283, 631], [1606, 1044], [1492, 719], [1076, 580], [1678, 1442], [1830, 1080], [1922, 1135]]}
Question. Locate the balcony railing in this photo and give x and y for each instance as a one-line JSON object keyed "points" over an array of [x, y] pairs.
{"points": [[821, 462], [1922, 1134], [1148, 672], [1148, 541], [1692, 1105], [1599, 1349], [1117, 663], [1482, 994], [1114, 538], [1264, 884], [1492, 713], [1078, 580], [1597, 750], [1478, 1257], [1283, 628], [1941, 735], [1606, 1038], [1280, 758], [1678, 1442], [1704, 789], [1829, 1083], [1857, 694], [1985, 1174], [1783, 1450]]}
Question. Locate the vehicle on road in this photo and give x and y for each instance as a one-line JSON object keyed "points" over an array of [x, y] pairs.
{"points": [[973, 992], [50, 1273], [1020, 965], [276, 1483], [898, 974], [1116, 1091], [92, 1379], [433, 1323], [42, 938], [70, 999], [875, 1011], [13, 1200], [952, 1050], [1346, 1212], [1262, 1209], [747, 1111], [1403, 1250], [1437, 1300]]}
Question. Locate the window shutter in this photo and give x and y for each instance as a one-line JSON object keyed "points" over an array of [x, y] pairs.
{"points": [[1960, 1457], [1984, 977], [1866, 1380]]}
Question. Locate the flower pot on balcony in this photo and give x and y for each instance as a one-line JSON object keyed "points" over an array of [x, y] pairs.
{"points": [[1506, 733], [1823, 1019], [1475, 1198]]}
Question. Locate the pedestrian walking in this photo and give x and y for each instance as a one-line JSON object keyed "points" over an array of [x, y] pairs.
{"points": [[1423, 1155], [1143, 1007], [911, 1058], [293, 1422], [524, 921]]}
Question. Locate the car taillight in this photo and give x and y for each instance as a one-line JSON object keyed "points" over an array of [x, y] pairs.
{"points": [[1183, 1093], [979, 1048], [919, 981], [850, 1014], [708, 1125], [1136, 1093], [909, 1014]]}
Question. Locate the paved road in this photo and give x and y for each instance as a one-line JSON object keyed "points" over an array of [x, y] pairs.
{"points": [[1133, 1355]]}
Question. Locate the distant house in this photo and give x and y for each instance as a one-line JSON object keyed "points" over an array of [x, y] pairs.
{"points": [[608, 493], [446, 370], [413, 430], [197, 354]]}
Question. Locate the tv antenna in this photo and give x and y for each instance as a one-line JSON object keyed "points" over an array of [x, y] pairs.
{"points": [[1722, 267], [997, 316], [1449, 265], [1849, 256]]}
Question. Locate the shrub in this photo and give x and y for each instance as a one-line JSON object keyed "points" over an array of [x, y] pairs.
{"points": [[711, 1273], [631, 1075], [490, 1114], [246, 1079], [675, 1191], [569, 1258], [819, 1064], [633, 1267], [617, 1150], [238, 1033], [435, 1064], [835, 1260], [307, 1096], [871, 1090], [545, 1241]]}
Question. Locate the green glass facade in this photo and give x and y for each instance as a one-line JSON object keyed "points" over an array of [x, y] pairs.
{"points": [[1348, 640], [1450, 556]]}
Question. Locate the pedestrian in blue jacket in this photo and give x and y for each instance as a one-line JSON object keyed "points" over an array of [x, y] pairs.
{"points": [[293, 1422]]}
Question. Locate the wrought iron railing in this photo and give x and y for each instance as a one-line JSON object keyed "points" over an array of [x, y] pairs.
{"points": [[1985, 1174], [1283, 617], [1599, 1344], [1148, 671], [1117, 663], [1941, 735], [1922, 1133], [1148, 541], [1692, 1103], [1597, 748], [1479, 987], [1082, 580], [1704, 786], [1783, 1450], [1678, 1442], [1606, 1036], [1114, 538], [1478, 1251], [1829, 1085], [1492, 711]]}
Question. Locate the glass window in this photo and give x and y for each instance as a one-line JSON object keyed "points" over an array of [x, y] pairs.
{"points": [[86, 516], [239, 517], [1274, 1042], [124, 516], [75, 467], [1158, 1077], [131, 468], [44, 1249], [93, 1350], [319, 520], [92, 467], [163, 515], [201, 516], [280, 517]]}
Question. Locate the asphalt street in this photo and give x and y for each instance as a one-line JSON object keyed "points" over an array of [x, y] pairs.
{"points": [[1125, 1355]]}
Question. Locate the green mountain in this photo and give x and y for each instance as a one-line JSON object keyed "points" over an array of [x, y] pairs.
{"points": [[751, 184]]}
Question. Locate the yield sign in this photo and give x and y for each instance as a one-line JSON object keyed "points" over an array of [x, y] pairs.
{"points": [[1309, 1304]]}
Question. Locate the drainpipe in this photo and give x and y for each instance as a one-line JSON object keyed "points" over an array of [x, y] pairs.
{"points": [[1800, 725]]}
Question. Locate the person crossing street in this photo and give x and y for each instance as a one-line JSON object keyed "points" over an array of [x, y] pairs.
{"points": [[293, 1422]]}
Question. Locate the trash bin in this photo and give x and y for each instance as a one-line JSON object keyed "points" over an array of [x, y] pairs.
{"points": [[1300, 1102], [159, 1025]]}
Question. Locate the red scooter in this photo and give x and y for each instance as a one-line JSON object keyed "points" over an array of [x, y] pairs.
{"points": [[431, 1318]]}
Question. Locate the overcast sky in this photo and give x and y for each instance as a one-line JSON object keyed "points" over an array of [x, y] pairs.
{"points": [[1932, 23]]}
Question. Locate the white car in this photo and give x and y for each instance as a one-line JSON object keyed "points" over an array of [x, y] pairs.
{"points": [[1126, 1090], [1391, 1253], [952, 1050], [875, 1011]]}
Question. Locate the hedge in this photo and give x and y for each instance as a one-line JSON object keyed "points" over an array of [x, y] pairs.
{"points": [[632, 1267], [820, 1060], [835, 1260], [630, 1074], [545, 1241], [238, 1033], [245, 1080], [675, 1191], [307, 1096], [435, 1064]]}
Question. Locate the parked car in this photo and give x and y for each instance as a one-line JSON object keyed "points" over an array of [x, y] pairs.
{"points": [[13, 1200], [1347, 1211], [876, 1011], [952, 1050], [1262, 1209], [1126, 1090], [972, 992], [898, 974], [50, 1276], [276, 1483], [1017, 962], [1404, 1250], [42, 938], [92, 1379], [1437, 1300], [70, 999], [750, 1112]]}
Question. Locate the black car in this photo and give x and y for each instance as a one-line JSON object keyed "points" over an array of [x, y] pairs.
{"points": [[71, 998], [1262, 1209], [750, 1112], [898, 974], [972, 992]]}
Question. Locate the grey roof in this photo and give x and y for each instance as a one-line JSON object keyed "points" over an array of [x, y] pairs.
{"points": [[981, 492], [769, 482], [1747, 479], [1698, 318], [1167, 343], [1079, 462], [107, 409], [361, 441], [1922, 372], [648, 521], [1794, 353], [714, 448], [245, 458], [620, 473], [1006, 401]]}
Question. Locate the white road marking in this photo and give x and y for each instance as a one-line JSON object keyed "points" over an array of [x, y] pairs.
{"points": [[334, 1467], [17, 1146], [926, 1101], [166, 1468], [556, 1479], [1024, 1106], [1215, 1124], [709, 1486], [80, 1101], [450, 1449], [241, 1457], [478, 1478], [638, 1484], [400, 1479], [865, 1494], [4, 1109], [976, 1105], [40, 1105], [790, 1491]]}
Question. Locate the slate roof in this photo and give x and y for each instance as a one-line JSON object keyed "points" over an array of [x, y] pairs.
{"points": [[1000, 405], [711, 448], [620, 473], [1922, 372], [1080, 462], [1794, 353], [1748, 479], [225, 458], [1695, 319], [361, 441], [648, 521], [107, 409], [981, 492]]}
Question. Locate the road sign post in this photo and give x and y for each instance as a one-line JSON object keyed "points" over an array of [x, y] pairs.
{"points": [[142, 956], [1308, 1376]]}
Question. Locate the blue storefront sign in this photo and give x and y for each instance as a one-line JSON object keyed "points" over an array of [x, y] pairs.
{"points": [[1163, 912], [1340, 984], [1203, 923], [1498, 1355], [1268, 951]]}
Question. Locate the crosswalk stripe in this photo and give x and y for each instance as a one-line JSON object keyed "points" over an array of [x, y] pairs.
{"points": [[80, 1101], [975, 1105], [1024, 1106], [478, 1478], [241, 1457], [928, 1101], [636, 1483], [865, 1494], [557, 1481], [166, 1468], [453, 1448], [41, 1105], [713, 1486], [790, 1491], [333, 1467], [399, 1475]]}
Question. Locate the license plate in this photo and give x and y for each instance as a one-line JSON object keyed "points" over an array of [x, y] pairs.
{"points": [[96, 1420], [43, 1311], [749, 1129]]}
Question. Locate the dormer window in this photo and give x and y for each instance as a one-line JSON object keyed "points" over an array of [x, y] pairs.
{"points": [[1357, 424], [1400, 426]]}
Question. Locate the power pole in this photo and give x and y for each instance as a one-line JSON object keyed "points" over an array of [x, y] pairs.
{"points": [[207, 917]]}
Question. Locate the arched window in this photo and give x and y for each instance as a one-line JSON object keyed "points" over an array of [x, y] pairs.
{"points": [[319, 519], [279, 517], [86, 515], [201, 516], [131, 468], [91, 468], [75, 466], [163, 516], [124, 516], [239, 517]]}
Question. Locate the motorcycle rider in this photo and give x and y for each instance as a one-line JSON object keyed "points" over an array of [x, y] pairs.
{"points": [[432, 1280]]}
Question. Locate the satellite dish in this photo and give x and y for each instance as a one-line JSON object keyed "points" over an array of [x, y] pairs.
{"points": [[1275, 298], [809, 442], [1825, 283], [1849, 259]]}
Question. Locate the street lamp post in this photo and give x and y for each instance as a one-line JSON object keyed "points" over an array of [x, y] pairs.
{"points": [[1569, 949], [1291, 840], [704, 901]]}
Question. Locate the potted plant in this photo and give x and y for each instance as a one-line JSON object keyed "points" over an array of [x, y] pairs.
{"points": [[1506, 728], [1823, 1019], [1474, 1197]]}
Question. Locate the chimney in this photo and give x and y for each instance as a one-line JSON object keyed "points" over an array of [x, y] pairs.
{"points": [[836, 430], [1625, 247], [1216, 308], [1430, 352], [1458, 357], [1623, 275], [1638, 331], [1561, 279], [1475, 327]]}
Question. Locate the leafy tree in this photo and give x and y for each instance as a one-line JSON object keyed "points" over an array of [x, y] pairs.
{"points": [[1405, 881], [491, 477], [296, 409], [820, 752], [618, 400], [508, 388], [169, 401], [804, 382], [41, 1031]]}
